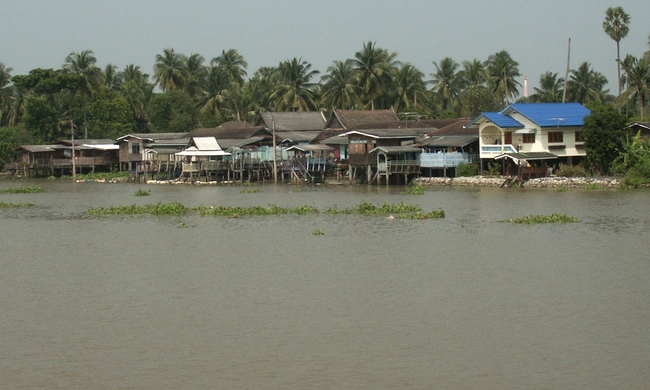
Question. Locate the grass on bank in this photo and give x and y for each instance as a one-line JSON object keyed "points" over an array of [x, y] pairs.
{"points": [[533, 219], [400, 210], [22, 190]]}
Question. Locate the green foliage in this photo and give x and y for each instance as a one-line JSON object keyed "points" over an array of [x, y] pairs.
{"points": [[477, 100], [42, 119], [142, 192], [47, 81], [416, 189], [435, 214], [22, 190], [317, 232], [604, 133], [493, 169], [634, 163], [592, 186], [10, 138], [109, 116], [254, 210], [172, 112], [252, 191], [159, 208], [110, 176], [533, 219], [466, 170], [570, 171], [5, 205], [561, 189]]}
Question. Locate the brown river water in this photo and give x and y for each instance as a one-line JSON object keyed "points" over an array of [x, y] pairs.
{"points": [[465, 302]]}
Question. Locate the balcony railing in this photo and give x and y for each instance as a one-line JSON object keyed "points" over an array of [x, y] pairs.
{"points": [[495, 150]]}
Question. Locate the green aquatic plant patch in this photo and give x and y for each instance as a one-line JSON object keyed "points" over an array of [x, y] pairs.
{"points": [[142, 193], [533, 219], [22, 190], [416, 189], [254, 210], [435, 214], [4, 205], [173, 208], [253, 191]]}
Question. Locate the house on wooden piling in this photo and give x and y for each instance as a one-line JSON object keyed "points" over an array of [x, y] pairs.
{"points": [[444, 149], [364, 143], [292, 127], [204, 157], [149, 152], [89, 155]]}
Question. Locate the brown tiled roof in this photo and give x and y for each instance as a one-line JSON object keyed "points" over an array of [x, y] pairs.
{"points": [[292, 120], [456, 128], [230, 130], [349, 119], [439, 123]]}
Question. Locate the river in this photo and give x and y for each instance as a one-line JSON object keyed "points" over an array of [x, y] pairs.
{"points": [[373, 303]]}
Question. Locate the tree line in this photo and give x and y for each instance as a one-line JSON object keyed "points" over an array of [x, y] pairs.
{"points": [[193, 92]]}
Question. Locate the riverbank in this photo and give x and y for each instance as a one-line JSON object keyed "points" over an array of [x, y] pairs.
{"points": [[543, 182]]}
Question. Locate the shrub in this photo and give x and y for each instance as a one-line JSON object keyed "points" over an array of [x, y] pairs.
{"points": [[571, 171], [466, 170]]}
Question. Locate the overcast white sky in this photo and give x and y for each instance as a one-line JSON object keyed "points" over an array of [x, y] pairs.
{"points": [[41, 33]]}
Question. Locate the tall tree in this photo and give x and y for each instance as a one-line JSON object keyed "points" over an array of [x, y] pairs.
{"points": [[550, 89], [408, 85], [503, 70], [586, 85], [112, 78], [339, 86], [137, 90], [604, 134], [473, 74], [196, 73], [374, 66], [446, 83], [215, 90], [83, 65], [5, 91], [638, 80], [170, 70], [616, 26], [233, 64], [294, 91]]}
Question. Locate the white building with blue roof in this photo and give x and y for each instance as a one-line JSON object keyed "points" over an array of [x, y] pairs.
{"points": [[535, 129]]}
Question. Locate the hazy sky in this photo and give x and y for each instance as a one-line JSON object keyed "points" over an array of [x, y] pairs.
{"points": [[41, 33]]}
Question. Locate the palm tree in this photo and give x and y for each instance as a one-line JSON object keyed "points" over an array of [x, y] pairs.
{"points": [[616, 26], [647, 53], [170, 70], [196, 74], [446, 82], [111, 78], [233, 63], [586, 85], [374, 67], [638, 79], [408, 85], [293, 91], [550, 89], [214, 92], [473, 74], [5, 89], [137, 90], [83, 65], [502, 70], [339, 86]]}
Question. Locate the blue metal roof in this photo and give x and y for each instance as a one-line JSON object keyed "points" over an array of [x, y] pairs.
{"points": [[550, 114], [496, 118]]}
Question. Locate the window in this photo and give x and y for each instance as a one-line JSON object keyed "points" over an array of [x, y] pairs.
{"points": [[579, 137], [555, 137], [135, 148], [528, 138]]}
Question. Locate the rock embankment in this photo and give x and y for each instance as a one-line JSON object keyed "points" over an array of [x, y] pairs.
{"points": [[543, 182]]}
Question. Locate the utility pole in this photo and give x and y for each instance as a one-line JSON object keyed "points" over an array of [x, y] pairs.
{"points": [[74, 167], [275, 162], [566, 75]]}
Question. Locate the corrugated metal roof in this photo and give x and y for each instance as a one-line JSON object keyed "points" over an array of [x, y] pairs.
{"points": [[292, 120], [349, 119], [310, 147], [206, 143], [386, 133], [297, 136], [448, 140], [396, 149], [550, 114]]}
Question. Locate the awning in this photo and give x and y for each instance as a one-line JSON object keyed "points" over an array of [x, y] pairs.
{"points": [[517, 157], [526, 131]]}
